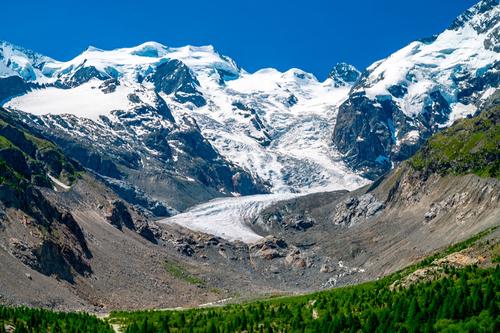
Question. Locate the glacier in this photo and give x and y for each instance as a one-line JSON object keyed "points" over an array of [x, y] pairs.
{"points": [[291, 131], [276, 125]]}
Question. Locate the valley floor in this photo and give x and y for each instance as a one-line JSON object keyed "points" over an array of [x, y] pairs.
{"points": [[453, 290]]}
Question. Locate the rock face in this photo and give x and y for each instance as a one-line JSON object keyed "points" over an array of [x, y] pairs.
{"points": [[363, 134], [12, 86], [344, 74], [174, 77], [285, 220], [400, 101], [81, 75], [357, 209], [269, 248], [120, 216], [183, 162], [33, 158], [57, 245]]}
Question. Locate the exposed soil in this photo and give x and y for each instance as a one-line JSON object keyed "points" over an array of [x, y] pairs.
{"points": [[318, 241]]}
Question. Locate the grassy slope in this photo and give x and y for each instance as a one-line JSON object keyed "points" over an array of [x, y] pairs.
{"points": [[41, 155], [468, 146]]}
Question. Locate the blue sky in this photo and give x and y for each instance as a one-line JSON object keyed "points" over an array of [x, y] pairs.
{"points": [[312, 34]]}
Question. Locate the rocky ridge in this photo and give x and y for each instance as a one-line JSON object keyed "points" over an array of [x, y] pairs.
{"points": [[398, 102]]}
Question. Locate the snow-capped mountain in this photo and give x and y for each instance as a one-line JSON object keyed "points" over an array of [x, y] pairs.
{"points": [[399, 101], [18, 61], [173, 127], [276, 126], [105, 110]]}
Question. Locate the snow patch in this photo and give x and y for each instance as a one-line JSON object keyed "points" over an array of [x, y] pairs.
{"points": [[459, 111], [86, 101], [58, 183]]}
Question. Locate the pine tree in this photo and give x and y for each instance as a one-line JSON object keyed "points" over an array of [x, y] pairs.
{"points": [[211, 327], [21, 328], [132, 328], [56, 328], [165, 325], [371, 322]]}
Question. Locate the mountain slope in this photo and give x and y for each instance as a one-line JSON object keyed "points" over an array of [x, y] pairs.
{"points": [[125, 132], [415, 208], [95, 149], [26, 163], [433, 291], [433, 302], [469, 146], [274, 125], [60, 228], [305, 243], [326, 239], [400, 101], [266, 131]]}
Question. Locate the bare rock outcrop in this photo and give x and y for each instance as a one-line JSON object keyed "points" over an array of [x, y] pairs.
{"points": [[354, 210], [269, 248], [119, 216]]}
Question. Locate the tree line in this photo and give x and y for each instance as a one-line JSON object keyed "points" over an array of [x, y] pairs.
{"points": [[464, 300], [27, 320]]}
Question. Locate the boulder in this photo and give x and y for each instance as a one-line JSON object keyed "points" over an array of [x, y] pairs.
{"points": [[119, 215]]}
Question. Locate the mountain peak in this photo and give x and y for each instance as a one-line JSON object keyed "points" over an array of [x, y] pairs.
{"points": [[202, 48], [149, 49], [343, 74], [18, 61], [11, 48], [91, 48], [152, 44], [482, 16]]}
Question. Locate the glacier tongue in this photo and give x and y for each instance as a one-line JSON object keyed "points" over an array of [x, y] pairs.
{"points": [[228, 218]]}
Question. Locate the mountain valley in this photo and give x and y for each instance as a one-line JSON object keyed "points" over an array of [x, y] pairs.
{"points": [[157, 177]]}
